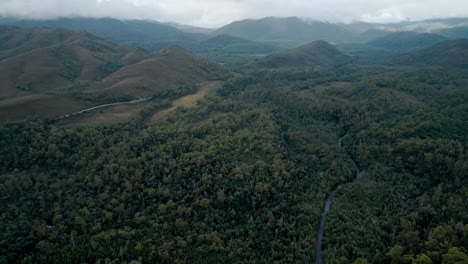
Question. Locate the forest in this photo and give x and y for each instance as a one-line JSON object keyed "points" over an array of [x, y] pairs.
{"points": [[242, 177]]}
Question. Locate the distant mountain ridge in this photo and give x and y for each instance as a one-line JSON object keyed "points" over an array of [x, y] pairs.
{"points": [[406, 40], [452, 53], [142, 33], [291, 29], [287, 32]]}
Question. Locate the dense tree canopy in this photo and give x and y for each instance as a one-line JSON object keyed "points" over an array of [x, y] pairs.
{"points": [[242, 177]]}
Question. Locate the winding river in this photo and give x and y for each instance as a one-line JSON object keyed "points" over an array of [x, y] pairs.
{"points": [[326, 209]]}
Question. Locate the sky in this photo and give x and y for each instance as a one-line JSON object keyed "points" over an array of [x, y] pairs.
{"points": [[216, 13]]}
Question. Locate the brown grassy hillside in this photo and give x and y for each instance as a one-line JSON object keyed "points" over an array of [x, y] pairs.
{"points": [[171, 68], [52, 72], [43, 60]]}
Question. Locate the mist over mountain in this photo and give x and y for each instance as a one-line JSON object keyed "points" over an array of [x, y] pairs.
{"points": [[286, 32], [290, 29], [140, 32]]}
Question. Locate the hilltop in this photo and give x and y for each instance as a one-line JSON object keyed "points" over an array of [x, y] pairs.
{"points": [[318, 53]]}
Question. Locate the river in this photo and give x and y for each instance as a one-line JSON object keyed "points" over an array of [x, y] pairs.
{"points": [[326, 209]]}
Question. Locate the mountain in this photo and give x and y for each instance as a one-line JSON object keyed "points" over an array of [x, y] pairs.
{"points": [[143, 33], [359, 27], [234, 45], [370, 35], [190, 29], [44, 60], [454, 33], [448, 53], [291, 29], [318, 53], [406, 40], [433, 25], [170, 68]]}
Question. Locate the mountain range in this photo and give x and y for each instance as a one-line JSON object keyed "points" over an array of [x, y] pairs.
{"points": [[286, 32]]}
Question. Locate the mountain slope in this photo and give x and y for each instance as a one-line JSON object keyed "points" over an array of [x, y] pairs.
{"points": [[454, 33], [45, 60], [318, 53], [234, 45], [448, 53], [406, 40], [290, 29], [171, 68]]}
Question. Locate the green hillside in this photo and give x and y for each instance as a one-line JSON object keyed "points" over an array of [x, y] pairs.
{"points": [[454, 33], [406, 40], [227, 44], [447, 53], [318, 53]]}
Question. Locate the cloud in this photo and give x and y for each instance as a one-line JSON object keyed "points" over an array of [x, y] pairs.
{"points": [[219, 12]]}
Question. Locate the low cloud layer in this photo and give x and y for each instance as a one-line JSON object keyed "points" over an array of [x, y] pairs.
{"points": [[213, 13]]}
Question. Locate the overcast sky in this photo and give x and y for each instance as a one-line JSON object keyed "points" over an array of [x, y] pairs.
{"points": [[214, 13]]}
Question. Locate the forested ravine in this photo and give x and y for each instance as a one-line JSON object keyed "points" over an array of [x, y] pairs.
{"points": [[326, 208]]}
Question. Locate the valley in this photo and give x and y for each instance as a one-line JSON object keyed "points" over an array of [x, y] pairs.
{"points": [[272, 140]]}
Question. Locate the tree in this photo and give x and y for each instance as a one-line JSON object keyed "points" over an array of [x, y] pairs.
{"points": [[455, 256], [360, 261], [422, 259]]}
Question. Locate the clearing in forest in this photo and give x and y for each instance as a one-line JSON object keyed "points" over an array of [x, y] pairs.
{"points": [[188, 101]]}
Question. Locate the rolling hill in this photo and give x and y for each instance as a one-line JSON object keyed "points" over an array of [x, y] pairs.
{"points": [[406, 40], [44, 60], [318, 53], [451, 53], [290, 30], [51, 72], [170, 68]]}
